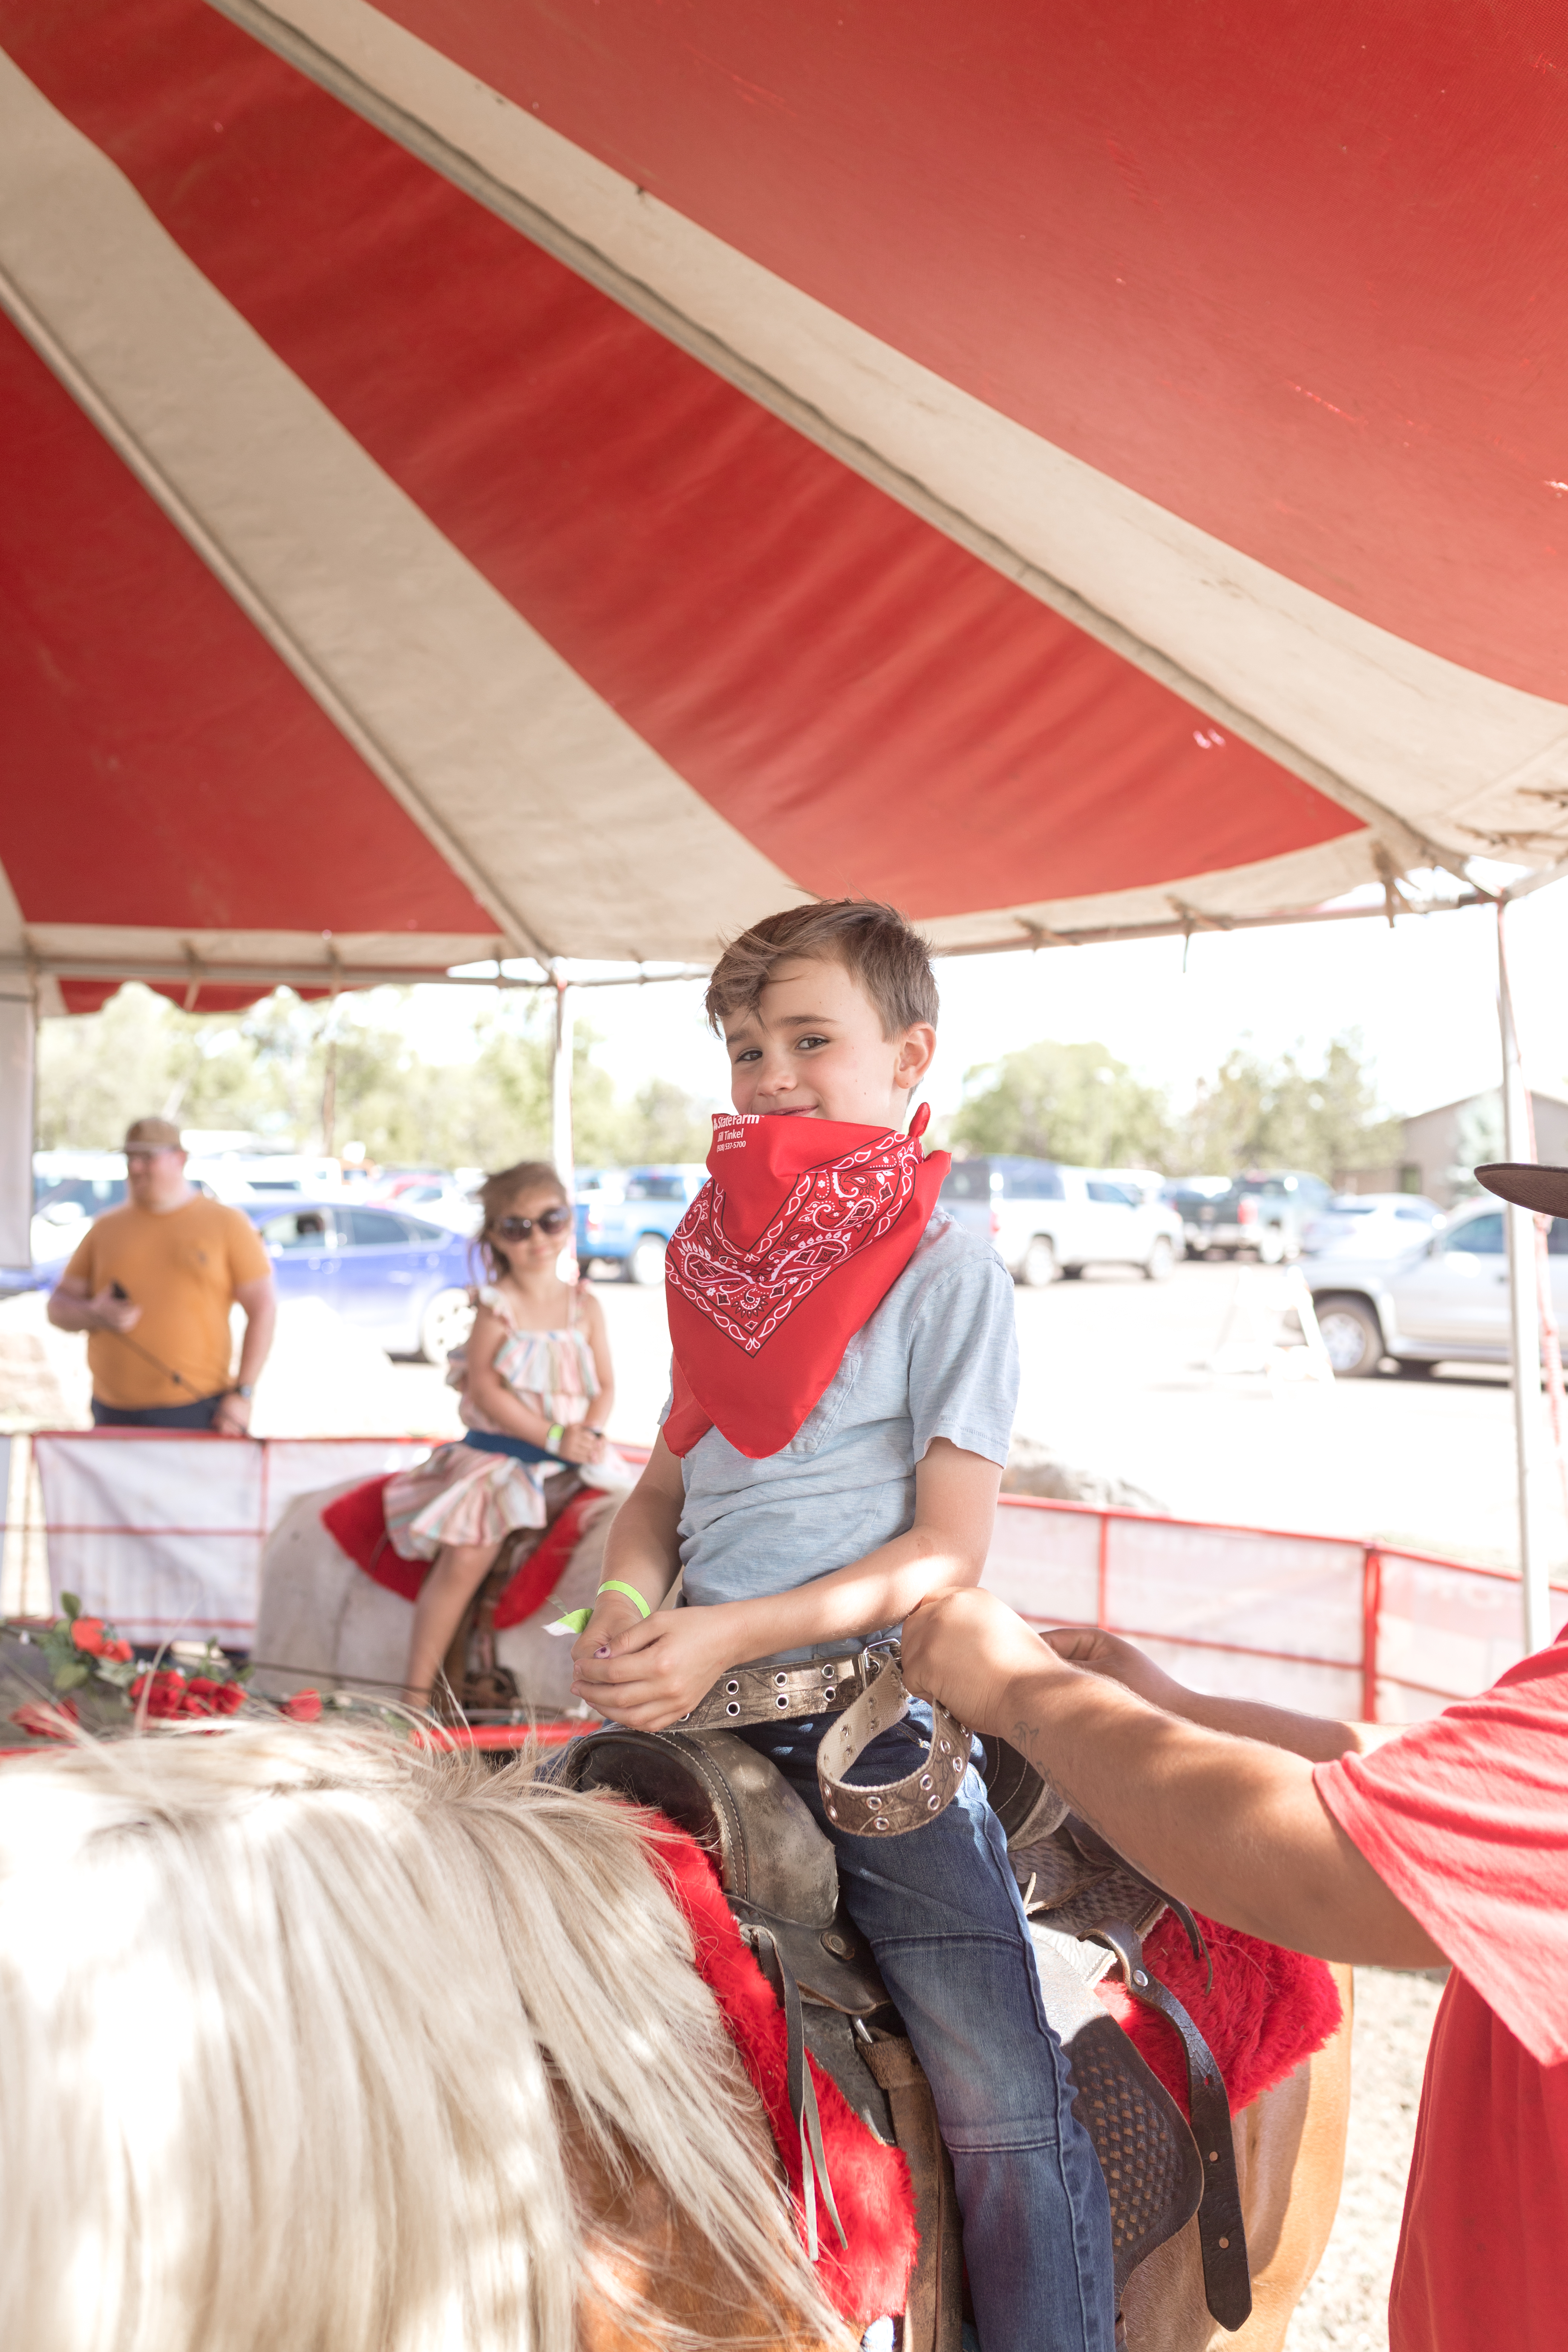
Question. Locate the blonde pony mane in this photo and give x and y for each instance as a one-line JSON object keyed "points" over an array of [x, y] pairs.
{"points": [[284, 2018]]}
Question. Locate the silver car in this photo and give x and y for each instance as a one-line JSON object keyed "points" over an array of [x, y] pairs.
{"points": [[1372, 1224], [1444, 1300]]}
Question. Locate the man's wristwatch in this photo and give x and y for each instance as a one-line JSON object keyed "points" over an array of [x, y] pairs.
{"points": [[239, 1387]]}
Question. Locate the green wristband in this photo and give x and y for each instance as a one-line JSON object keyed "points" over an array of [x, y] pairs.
{"points": [[554, 1436], [615, 1585]]}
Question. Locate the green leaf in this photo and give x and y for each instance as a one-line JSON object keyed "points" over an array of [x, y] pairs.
{"points": [[70, 1604], [68, 1677]]}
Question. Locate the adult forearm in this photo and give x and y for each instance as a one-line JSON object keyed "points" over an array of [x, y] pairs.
{"points": [[1233, 1827], [66, 1312], [1317, 1738], [257, 1344]]}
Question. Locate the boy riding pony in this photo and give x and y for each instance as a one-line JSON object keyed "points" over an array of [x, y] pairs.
{"points": [[844, 1381]]}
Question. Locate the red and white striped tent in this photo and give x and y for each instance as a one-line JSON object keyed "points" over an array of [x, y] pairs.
{"points": [[482, 477]]}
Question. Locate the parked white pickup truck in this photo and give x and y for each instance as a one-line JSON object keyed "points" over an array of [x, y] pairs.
{"points": [[1046, 1219]]}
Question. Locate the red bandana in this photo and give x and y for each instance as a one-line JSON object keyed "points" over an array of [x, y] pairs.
{"points": [[757, 1327]]}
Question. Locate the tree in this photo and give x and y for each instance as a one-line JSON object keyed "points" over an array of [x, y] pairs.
{"points": [[264, 1072], [1257, 1114], [664, 1123], [1073, 1103]]}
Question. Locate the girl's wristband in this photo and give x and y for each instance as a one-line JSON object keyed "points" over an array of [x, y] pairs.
{"points": [[554, 1435]]}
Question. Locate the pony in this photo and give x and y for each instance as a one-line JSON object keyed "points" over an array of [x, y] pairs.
{"points": [[320, 1620], [319, 2036], [314, 2037]]}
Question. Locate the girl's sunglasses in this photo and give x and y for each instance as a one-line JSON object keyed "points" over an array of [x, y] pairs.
{"points": [[518, 1229]]}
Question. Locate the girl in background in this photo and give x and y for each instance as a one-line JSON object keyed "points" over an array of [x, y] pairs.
{"points": [[536, 1367]]}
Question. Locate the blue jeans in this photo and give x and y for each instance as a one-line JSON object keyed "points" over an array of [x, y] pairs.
{"points": [[940, 1910]]}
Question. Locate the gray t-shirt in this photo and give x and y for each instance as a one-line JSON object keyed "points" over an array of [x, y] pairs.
{"points": [[938, 1358]]}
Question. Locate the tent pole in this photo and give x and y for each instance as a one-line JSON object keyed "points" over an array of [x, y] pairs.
{"points": [[1524, 1324], [561, 1084], [18, 1046]]}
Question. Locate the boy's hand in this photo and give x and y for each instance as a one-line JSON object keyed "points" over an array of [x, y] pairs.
{"points": [[650, 1674]]}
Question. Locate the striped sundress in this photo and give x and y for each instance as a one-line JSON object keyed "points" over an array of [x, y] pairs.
{"points": [[459, 1495]]}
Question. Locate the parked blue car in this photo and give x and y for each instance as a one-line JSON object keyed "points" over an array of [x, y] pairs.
{"points": [[625, 1217], [404, 1280]]}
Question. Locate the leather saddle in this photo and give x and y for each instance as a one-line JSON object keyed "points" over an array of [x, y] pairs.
{"points": [[1088, 1911], [482, 1688]]}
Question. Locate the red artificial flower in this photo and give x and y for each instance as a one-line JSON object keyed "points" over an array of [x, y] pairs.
{"points": [[304, 1706], [118, 1650], [230, 1696], [164, 1695], [42, 1717], [86, 1632]]}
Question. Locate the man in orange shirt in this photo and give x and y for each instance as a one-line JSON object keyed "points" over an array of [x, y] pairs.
{"points": [[151, 1285]]}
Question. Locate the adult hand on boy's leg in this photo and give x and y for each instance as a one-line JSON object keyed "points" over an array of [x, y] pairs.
{"points": [[653, 1672]]}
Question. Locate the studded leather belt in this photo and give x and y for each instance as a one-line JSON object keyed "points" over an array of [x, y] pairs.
{"points": [[748, 1695], [866, 1694]]}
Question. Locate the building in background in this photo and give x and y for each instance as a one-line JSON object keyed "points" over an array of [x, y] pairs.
{"points": [[1443, 1145]]}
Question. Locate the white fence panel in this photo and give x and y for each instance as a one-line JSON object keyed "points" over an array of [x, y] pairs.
{"points": [[1296, 1596], [1444, 1630], [1045, 1563], [163, 1534]]}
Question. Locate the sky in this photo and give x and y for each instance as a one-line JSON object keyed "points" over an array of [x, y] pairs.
{"points": [[1424, 997]]}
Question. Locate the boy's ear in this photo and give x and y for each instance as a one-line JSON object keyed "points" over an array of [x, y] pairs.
{"points": [[917, 1051]]}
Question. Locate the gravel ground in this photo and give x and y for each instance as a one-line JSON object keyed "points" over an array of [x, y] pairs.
{"points": [[1345, 2309]]}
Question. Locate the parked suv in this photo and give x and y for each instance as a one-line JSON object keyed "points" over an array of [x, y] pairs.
{"points": [[624, 1221], [1269, 1214], [1047, 1219], [1442, 1300]]}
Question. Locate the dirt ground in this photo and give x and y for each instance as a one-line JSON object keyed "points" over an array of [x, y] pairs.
{"points": [[1345, 2309]]}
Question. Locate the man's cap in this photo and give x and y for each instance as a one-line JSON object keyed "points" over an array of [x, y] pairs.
{"points": [[152, 1135], [1544, 1190]]}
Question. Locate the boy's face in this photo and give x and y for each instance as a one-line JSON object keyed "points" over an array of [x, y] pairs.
{"points": [[813, 1048]]}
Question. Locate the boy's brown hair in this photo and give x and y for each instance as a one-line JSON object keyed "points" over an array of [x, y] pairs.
{"points": [[873, 942]]}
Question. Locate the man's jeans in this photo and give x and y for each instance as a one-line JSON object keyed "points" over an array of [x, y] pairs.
{"points": [[940, 1910], [198, 1414]]}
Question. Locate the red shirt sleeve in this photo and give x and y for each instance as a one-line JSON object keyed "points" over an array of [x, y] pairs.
{"points": [[1465, 1819]]}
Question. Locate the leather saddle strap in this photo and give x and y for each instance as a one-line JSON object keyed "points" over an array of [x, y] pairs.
{"points": [[803, 2104], [896, 1806], [1222, 2239]]}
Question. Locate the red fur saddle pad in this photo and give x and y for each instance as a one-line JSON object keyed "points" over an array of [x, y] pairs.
{"points": [[870, 2183], [1268, 2010], [357, 1525]]}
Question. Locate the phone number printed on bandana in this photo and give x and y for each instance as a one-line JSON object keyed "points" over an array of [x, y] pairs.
{"points": [[832, 1211]]}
